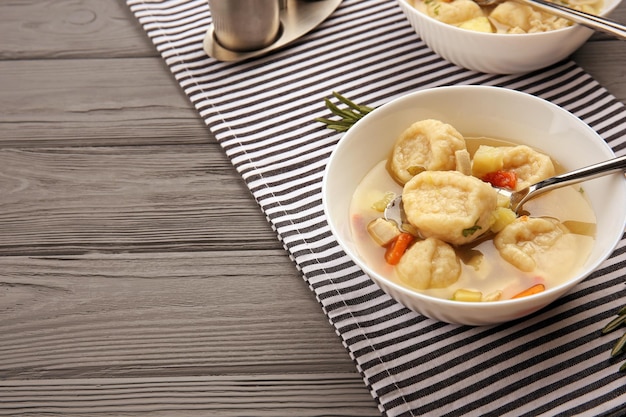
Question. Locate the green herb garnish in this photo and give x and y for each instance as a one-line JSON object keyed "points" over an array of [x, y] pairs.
{"points": [[348, 115], [471, 230], [615, 324]]}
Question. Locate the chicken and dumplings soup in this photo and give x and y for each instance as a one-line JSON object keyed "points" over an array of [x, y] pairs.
{"points": [[507, 17], [459, 239]]}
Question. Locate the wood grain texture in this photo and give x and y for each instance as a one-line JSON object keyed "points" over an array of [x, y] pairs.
{"points": [[95, 102], [137, 199], [183, 333], [267, 395], [137, 274], [160, 315], [36, 29]]}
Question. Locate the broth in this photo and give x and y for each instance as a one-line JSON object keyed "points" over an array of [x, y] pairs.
{"points": [[483, 269]]}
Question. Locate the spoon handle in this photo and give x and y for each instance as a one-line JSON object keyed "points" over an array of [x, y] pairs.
{"points": [[580, 175], [599, 23]]}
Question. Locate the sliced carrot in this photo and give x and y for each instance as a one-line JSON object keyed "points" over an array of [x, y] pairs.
{"points": [[397, 247], [535, 289]]}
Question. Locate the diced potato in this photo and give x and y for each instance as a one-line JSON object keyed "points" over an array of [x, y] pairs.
{"points": [[382, 231], [502, 217], [478, 24], [467, 295], [487, 159]]}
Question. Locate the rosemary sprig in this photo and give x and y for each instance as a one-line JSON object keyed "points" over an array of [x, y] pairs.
{"points": [[347, 116], [620, 346]]}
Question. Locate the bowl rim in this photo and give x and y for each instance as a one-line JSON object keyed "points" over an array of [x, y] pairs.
{"points": [[549, 292], [409, 6]]}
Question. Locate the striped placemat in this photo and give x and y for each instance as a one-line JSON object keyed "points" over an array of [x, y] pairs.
{"points": [[261, 112]]}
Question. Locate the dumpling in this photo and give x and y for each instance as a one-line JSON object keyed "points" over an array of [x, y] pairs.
{"points": [[426, 145], [528, 165], [515, 15], [430, 263], [453, 12], [527, 237], [520, 18], [449, 206]]}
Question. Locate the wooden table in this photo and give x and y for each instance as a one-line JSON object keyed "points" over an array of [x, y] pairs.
{"points": [[137, 274]]}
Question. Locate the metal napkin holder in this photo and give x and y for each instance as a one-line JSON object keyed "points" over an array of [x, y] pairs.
{"points": [[297, 18]]}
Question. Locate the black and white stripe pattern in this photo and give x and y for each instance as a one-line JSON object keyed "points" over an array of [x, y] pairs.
{"points": [[262, 112]]}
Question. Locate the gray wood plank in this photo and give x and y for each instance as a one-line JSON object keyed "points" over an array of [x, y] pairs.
{"points": [[36, 29], [161, 315], [271, 395], [133, 199], [155, 334], [85, 102]]}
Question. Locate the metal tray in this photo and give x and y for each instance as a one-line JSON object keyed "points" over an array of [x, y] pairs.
{"points": [[297, 19]]}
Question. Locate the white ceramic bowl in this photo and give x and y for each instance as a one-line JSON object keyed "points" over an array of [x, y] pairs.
{"points": [[498, 53], [475, 111]]}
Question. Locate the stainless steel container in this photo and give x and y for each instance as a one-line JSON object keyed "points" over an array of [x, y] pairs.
{"points": [[245, 25]]}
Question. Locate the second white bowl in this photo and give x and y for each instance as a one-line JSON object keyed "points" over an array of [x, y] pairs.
{"points": [[498, 53]]}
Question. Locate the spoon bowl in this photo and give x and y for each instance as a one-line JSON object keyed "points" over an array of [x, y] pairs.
{"points": [[518, 198]]}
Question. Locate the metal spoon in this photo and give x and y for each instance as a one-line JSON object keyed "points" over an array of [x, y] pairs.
{"points": [[395, 212], [591, 21]]}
